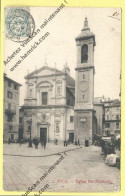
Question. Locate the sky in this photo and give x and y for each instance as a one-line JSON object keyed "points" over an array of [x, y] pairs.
{"points": [[60, 46]]}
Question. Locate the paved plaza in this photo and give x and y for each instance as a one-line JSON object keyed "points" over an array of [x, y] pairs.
{"points": [[81, 170]]}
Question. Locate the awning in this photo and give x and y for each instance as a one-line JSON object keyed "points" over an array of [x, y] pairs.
{"points": [[106, 138]]}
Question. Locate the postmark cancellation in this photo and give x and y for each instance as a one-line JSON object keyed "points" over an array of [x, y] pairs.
{"points": [[19, 24]]}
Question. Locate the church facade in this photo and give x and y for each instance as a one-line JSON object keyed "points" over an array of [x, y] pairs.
{"points": [[48, 111], [57, 106]]}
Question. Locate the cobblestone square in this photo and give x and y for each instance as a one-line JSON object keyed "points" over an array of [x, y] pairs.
{"points": [[83, 169]]}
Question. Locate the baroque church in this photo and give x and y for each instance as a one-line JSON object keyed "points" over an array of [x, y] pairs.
{"points": [[58, 107], [48, 109]]}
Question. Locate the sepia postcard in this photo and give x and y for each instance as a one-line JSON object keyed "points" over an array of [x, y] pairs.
{"points": [[62, 82]]}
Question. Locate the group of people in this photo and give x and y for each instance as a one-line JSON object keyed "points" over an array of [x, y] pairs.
{"points": [[108, 147], [36, 142], [77, 142]]}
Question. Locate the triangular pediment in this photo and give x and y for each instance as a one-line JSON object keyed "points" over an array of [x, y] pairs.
{"points": [[44, 71]]}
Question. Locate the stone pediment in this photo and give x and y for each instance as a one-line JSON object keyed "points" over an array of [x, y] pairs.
{"points": [[44, 84], [44, 71]]}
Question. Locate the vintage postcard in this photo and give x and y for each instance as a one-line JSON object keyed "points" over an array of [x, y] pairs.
{"points": [[61, 75]]}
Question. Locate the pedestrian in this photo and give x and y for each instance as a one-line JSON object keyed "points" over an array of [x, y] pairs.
{"points": [[78, 142], [102, 145], [119, 144], [106, 148], [44, 144], [30, 143], [85, 143], [9, 141], [55, 141], [116, 144], [75, 142], [36, 142], [112, 148]]}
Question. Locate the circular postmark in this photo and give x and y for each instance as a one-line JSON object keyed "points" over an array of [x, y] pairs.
{"points": [[19, 25]]}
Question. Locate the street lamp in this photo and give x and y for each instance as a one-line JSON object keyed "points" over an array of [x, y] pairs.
{"points": [[30, 141]]}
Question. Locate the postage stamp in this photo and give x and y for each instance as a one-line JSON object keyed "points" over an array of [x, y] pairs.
{"points": [[19, 25]]}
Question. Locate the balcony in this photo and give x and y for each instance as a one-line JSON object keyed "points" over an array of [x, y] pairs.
{"points": [[10, 112]]}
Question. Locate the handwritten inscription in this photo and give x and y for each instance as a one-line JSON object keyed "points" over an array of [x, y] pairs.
{"points": [[115, 15]]}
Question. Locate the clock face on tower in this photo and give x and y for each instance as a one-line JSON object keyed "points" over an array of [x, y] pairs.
{"points": [[83, 85]]}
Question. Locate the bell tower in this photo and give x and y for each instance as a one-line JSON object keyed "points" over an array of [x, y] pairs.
{"points": [[84, 87]]}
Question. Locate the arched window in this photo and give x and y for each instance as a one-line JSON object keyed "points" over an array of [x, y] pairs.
{"points": [[84, 53]]}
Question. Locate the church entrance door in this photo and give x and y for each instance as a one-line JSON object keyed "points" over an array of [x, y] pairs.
{"points": [[71, 137], [43, 134]]}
